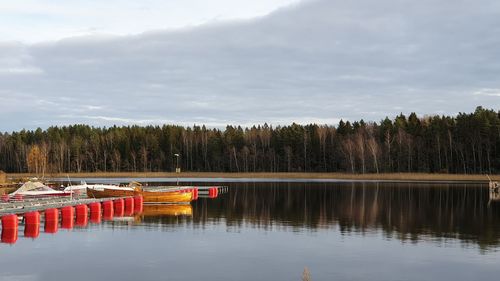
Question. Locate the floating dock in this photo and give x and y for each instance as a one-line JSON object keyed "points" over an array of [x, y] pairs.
{"points": [[211, 191], [200, 191], [32, 205], [68, 211]]}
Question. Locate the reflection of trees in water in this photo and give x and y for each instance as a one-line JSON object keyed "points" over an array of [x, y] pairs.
{"points": [[406, 211]]}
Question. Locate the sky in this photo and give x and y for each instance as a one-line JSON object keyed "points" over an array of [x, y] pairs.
{"points": [[244, 62]]}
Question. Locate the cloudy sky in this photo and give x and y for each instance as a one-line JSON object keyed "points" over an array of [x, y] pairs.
{"points": [[244, 62]]}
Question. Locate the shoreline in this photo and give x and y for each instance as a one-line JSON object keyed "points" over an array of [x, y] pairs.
{"points": [[418, 177]]}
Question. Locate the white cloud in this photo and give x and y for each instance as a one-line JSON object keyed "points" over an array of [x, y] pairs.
{"points": [[315, 62], [57, 19], [21, 70], [92, 107], [487, 92]]}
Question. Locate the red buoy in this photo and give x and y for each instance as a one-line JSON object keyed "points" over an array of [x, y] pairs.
{"points": [[51, 215], [81, 210], [129, 206], [212, 192], [67, 212], [95, 212], [32, 224], [9, 235], [67, 222], [51, 226], [82, 215], [32, 218], [10, 224], [95, 207], [138, 203], [32, 230], [107, 207], [10, 221], [195, 194], [95, 217], [67, 216], [119, 206], [51, 220]]}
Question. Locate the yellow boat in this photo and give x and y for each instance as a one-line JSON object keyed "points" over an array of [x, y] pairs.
{"points": [[148, 196]]}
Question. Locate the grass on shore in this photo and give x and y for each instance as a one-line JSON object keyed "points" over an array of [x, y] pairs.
{"points": [[342, 176]]}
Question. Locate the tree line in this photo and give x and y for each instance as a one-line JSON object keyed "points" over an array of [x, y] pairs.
{"points": [[465, 143]]}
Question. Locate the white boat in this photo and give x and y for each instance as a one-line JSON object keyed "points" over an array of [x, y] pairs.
{"points": [[82, 187], [38, 189]]}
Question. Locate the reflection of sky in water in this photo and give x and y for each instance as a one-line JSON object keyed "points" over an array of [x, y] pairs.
{"points": [[223, 247], [213, 253]]}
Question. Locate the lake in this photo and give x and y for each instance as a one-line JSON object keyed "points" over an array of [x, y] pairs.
{"points": [[271, 231]]}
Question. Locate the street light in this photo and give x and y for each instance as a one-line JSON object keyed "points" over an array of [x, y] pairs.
{"points": [[177, 168]]}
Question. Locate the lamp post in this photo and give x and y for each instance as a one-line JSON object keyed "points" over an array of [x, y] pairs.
{"points": [[177, 168]]}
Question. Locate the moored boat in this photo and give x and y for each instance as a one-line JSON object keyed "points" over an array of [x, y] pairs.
{"points": [[36, 189], [149, 196], [82, 187]]}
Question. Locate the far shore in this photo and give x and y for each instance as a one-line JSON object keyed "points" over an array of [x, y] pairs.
{"points": [[333, 176]]}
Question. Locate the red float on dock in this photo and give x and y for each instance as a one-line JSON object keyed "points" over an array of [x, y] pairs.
{"points": [[67, 217], [95, 212], [129, 206], [96, 217], [95, 207], [138, 203], [9, 235], [51, 220], [32, 224], [195, 193], [107, 207], [10, 221], [119, 206], [212, 192], [32, 218], [10, 224], [32, 230], [82, 215], [67, 212]]}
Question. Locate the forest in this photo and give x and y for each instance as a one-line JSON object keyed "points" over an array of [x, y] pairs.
{"points": [[466, 143]]}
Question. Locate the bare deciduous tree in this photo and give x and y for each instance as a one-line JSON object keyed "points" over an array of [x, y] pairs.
{"points": [[348, 150], [360, 146]]}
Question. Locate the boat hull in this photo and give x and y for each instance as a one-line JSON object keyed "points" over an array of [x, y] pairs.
{"points": [[27, 195], [148, 196]]}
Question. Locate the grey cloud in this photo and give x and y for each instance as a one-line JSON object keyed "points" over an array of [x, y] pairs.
{"points": [[316, 61]]}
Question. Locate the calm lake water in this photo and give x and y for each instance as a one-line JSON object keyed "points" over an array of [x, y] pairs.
{"points": [[271, 231]]}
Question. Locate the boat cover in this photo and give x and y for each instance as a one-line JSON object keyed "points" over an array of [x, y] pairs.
{"points": [[32, 186]]}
